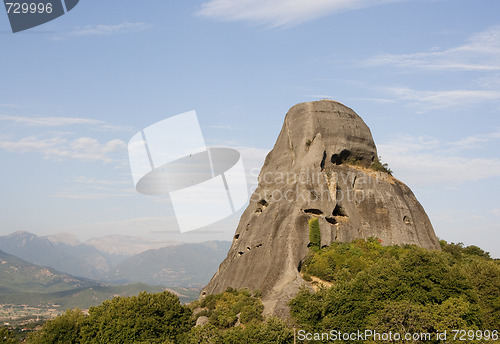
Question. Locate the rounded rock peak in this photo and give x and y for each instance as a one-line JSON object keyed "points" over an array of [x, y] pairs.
{"points": [[329, 127]]}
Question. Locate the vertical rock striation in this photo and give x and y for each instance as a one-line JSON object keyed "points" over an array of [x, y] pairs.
{"points": [[319, 166]]}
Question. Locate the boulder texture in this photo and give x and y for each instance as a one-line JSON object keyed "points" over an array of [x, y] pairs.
{"points": [[320, 166]]}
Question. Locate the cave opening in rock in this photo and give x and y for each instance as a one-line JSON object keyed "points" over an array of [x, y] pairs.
{"points": [[339, 211], [263, 202], [331, 220], [322, 165], [313, 211], [340, 158]]}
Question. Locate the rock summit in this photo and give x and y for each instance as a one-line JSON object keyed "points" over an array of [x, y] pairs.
{"points": [[321, 166]]}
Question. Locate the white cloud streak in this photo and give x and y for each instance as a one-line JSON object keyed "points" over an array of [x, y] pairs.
{"points": [[426, 161], [59, 148], [481, 52], [106, 30], [475, 141], [53, 122], [280, 12], [50, 121], [426, 100]]}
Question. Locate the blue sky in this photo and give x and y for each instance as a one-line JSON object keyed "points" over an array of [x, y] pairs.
{"points": [[424, 75]]}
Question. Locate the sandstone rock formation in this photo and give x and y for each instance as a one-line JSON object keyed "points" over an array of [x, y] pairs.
{"points": [[319, 166]]}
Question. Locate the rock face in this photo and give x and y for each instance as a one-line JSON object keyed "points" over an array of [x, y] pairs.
{"points": [[319, 166]]}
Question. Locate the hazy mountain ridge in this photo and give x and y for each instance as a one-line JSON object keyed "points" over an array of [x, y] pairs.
{"points": [[78, 260], [186, 265], [112, 259], [23, 283], [17, 275]]}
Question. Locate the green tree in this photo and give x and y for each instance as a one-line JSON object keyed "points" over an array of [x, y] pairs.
{"points": [[399, 288], [377, 165], [153, 318], [314, 234], [64, 329], [6, 336]]}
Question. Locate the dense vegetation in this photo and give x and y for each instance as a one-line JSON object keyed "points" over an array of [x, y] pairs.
{"points": [[400, 289], [7, 337], [226, 311], [314, 234], [377, 165], [160, 318], [384, 289]]}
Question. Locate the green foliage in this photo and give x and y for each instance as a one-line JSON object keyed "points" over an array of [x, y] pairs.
{"points": [[6, 336], [146, 318], [272, 331], [314, 234], [224, 309], [65, 329], [377, 165], [400, 289]]}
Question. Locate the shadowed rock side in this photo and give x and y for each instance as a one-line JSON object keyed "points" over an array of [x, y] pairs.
{"points": [[319, 166]]}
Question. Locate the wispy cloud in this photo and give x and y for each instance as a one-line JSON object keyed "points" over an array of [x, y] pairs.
{"points": [[10, 106], [91, 188], [426, 100], [88, 196], [50, 121], [218, 126], [280, 12], [475, 141], [53, 122], [481, 52], [319, 96], [96, 181], [62, 148], [426, 161], [113, 29]]}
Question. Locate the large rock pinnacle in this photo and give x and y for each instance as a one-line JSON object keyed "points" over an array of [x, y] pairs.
{"points": [[319, 166]]}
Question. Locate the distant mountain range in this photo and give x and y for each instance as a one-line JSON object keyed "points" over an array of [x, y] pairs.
{"points": [[186, 265], [121, 259], [23, 283]]}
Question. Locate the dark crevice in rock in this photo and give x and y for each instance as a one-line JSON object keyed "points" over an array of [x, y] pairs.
{"points": [[340, 158], [322, 165], [331, 220], [313, 211], [258, 211], [257, 246], [237, 236], [263, 203], [240, 253], [406, 220], [339, 211]]}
